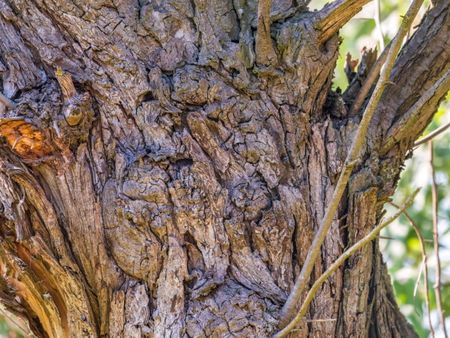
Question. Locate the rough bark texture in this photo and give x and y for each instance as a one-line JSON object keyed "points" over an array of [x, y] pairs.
{"points": [[175, 189]]}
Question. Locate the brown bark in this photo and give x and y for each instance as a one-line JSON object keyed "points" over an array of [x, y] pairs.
{"points": [[174, 189]]}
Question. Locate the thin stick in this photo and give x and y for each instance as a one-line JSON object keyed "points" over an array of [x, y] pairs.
{"points": [[338, 262], [288, 309], [378, 24], [425, 264], [432, 135], [265, 53], [434, 202]]}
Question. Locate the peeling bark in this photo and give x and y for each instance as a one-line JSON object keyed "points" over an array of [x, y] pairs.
{"points": [[165, 185]]}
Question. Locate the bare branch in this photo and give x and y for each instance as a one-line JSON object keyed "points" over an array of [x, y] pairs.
{"points": [[378, 24], [437, 283], [432, 135], [333, 267], [336, 14], [358, 142], [265, 53], [403, 127], [425, 264]]}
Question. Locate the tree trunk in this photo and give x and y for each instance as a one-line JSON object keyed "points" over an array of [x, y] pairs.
{"points": [[167, 163]]}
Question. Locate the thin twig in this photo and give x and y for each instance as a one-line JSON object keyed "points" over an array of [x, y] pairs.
{"points": [[425, 264], [6, 102], [432, 135], [335, 15], [265, 53], [338, 262], [378, 24], [434, 202], [289, 307], [321, 320]]}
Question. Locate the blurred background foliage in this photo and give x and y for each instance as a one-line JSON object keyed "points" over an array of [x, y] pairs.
{"points": [[399, 241]]}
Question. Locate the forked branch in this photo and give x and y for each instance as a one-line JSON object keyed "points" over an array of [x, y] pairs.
{"points": [[352, 157], [333, 267]]}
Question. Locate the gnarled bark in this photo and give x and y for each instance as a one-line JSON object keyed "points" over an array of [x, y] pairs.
{"points": [[175, 188]]}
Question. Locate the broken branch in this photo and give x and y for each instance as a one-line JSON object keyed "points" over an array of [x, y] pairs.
{"points": [[265, 53], [336, 14]]}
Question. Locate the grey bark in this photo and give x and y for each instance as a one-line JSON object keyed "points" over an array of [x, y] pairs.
{"points": [[174, 192]]}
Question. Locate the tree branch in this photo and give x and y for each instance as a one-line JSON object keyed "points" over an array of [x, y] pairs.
{"points": [[265, 53], [349, 252], [425, 264], [435, 203], [336, 14], [432, 135], [403, 127], [358, 142]]}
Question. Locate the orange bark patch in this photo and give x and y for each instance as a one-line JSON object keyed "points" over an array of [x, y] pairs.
{"points": [[25, 139]]}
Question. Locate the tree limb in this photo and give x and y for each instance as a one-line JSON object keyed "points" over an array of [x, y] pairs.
{"points": [[358, 142], [265, 53], [336, 14], [349, 252], [403, 127]]}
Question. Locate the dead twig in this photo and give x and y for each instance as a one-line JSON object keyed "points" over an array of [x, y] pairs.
{"points": [[434, 202], [289, 307], [432, 135], [338, 262], [425, 264]]}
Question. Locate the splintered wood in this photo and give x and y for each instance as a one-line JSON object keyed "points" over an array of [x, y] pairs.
{"points": [[25, 139]]}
